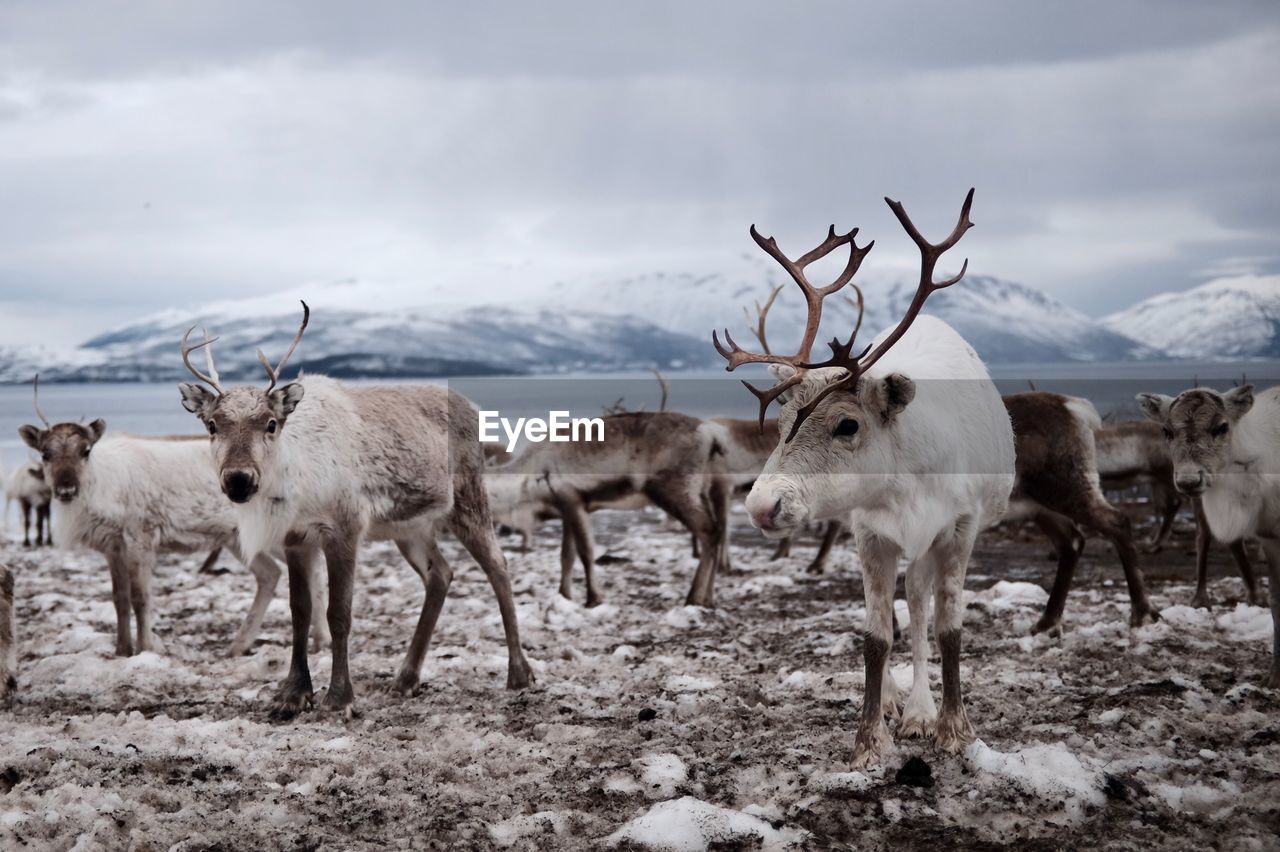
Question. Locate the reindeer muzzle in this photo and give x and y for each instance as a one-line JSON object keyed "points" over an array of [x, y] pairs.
{"points": [[66, 493], [239, 486]]}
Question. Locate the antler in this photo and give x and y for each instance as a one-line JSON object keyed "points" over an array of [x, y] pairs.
{"points": [[273, 373], [662, 383], [212, 379], [762, 314], [35, 400], [813, 296]]}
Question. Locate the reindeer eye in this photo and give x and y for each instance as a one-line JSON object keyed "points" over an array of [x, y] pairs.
{"points": [[84, 454], [846, 428], [213, 427], [1221, 429], [1168, 433], [44, 456], [271, 427]]}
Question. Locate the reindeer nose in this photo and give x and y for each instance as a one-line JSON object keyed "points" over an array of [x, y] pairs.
{"points": [[1190, 482], [239, 485], [765, 517], [66, 493]]}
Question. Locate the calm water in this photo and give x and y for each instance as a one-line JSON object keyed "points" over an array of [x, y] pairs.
{"points": [[154, 409]]}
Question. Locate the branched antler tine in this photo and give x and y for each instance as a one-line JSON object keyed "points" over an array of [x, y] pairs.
{"points": [[768, 395], [860, 305], [929, 254], [35, 400], [279, 368], [812, 405], [762, 315], [188, 348], [208, 356], [271, 372]]}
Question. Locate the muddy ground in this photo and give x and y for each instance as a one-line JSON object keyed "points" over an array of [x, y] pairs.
{"points": [[734, 725]]}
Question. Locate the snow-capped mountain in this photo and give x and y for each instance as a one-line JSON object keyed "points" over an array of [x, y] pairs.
{"points": [[591, 323], [1236, 317]]}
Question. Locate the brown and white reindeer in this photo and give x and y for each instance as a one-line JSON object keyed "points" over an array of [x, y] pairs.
{"points": [[1058, 488], [1135, 452], [663, 458], [130, 498], [8, 650], [911, 439], [316, 466], [1226, 451], [27, 485]]}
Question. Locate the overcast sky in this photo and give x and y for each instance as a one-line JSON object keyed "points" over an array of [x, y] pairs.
{"points": [[158, 154]]}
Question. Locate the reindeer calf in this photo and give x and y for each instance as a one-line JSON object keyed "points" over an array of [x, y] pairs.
{"points": [[27, 485]]}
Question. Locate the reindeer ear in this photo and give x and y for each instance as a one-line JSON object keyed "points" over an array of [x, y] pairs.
{"points": [[96, 428], [31, 436], [1154, 405], [1238, 401], [195, 398], [892, 393], [286, 399]]}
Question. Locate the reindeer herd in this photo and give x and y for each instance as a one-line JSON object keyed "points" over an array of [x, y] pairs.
{"points": [[905, 444]]}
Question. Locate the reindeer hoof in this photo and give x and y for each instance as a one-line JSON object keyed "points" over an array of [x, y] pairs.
{"points": [[341, 701], [954, 733], [520, 675], [594, 601], [917, 725], [815, 568], [1200, 601], [291, 699], [1051, 626], [869, 746], [1273, 679], [1140, 617], [405, 684], [8, 689]]}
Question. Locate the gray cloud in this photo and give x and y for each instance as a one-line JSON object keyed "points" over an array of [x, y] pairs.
{"points": [[162, 155]]}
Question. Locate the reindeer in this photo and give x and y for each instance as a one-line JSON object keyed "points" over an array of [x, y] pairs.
{"points": [[129, 498], [27, 485], [1226, 451], [668, 459], [8, 651], [318, 466], [1134, 452], [1058, 487], [909, 437]]}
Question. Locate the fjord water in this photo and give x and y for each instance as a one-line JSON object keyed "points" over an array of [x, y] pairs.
{"points": [[154, 409]]}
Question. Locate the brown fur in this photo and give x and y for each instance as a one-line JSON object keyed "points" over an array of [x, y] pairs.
{"points": [[1057, 474], [8, 673]]}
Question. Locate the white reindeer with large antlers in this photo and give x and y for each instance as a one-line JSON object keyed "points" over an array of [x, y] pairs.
{"points": [[351, 463], [912, 439]]}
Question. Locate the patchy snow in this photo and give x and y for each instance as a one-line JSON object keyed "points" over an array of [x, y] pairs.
{"points": [[1164, 735], [690, 825]]}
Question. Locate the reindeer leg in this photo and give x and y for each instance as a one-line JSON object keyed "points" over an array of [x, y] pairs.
{"points": [[1204, 538], [211, 560], [1115, 526], [829, 536], [340, 558], [1271, 547], [320, 636], [920, 715], [295, 691], [141, 566], [1241, 557], [954, 731], [425, 557], [580, 528], [42, 515], [1168, 502], [26, 522], [471, 524], [120, 596], [267, 573], [568, 554], [1061, 532], [879, 559], [783, 550]]}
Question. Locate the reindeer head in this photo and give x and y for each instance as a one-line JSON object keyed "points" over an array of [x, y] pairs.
{"points": [[243, 422], [835, 419], [63, 447], [1198, 425]]}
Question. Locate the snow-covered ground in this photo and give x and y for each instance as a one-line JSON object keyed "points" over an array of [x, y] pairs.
{"points": [[652, 725]]}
